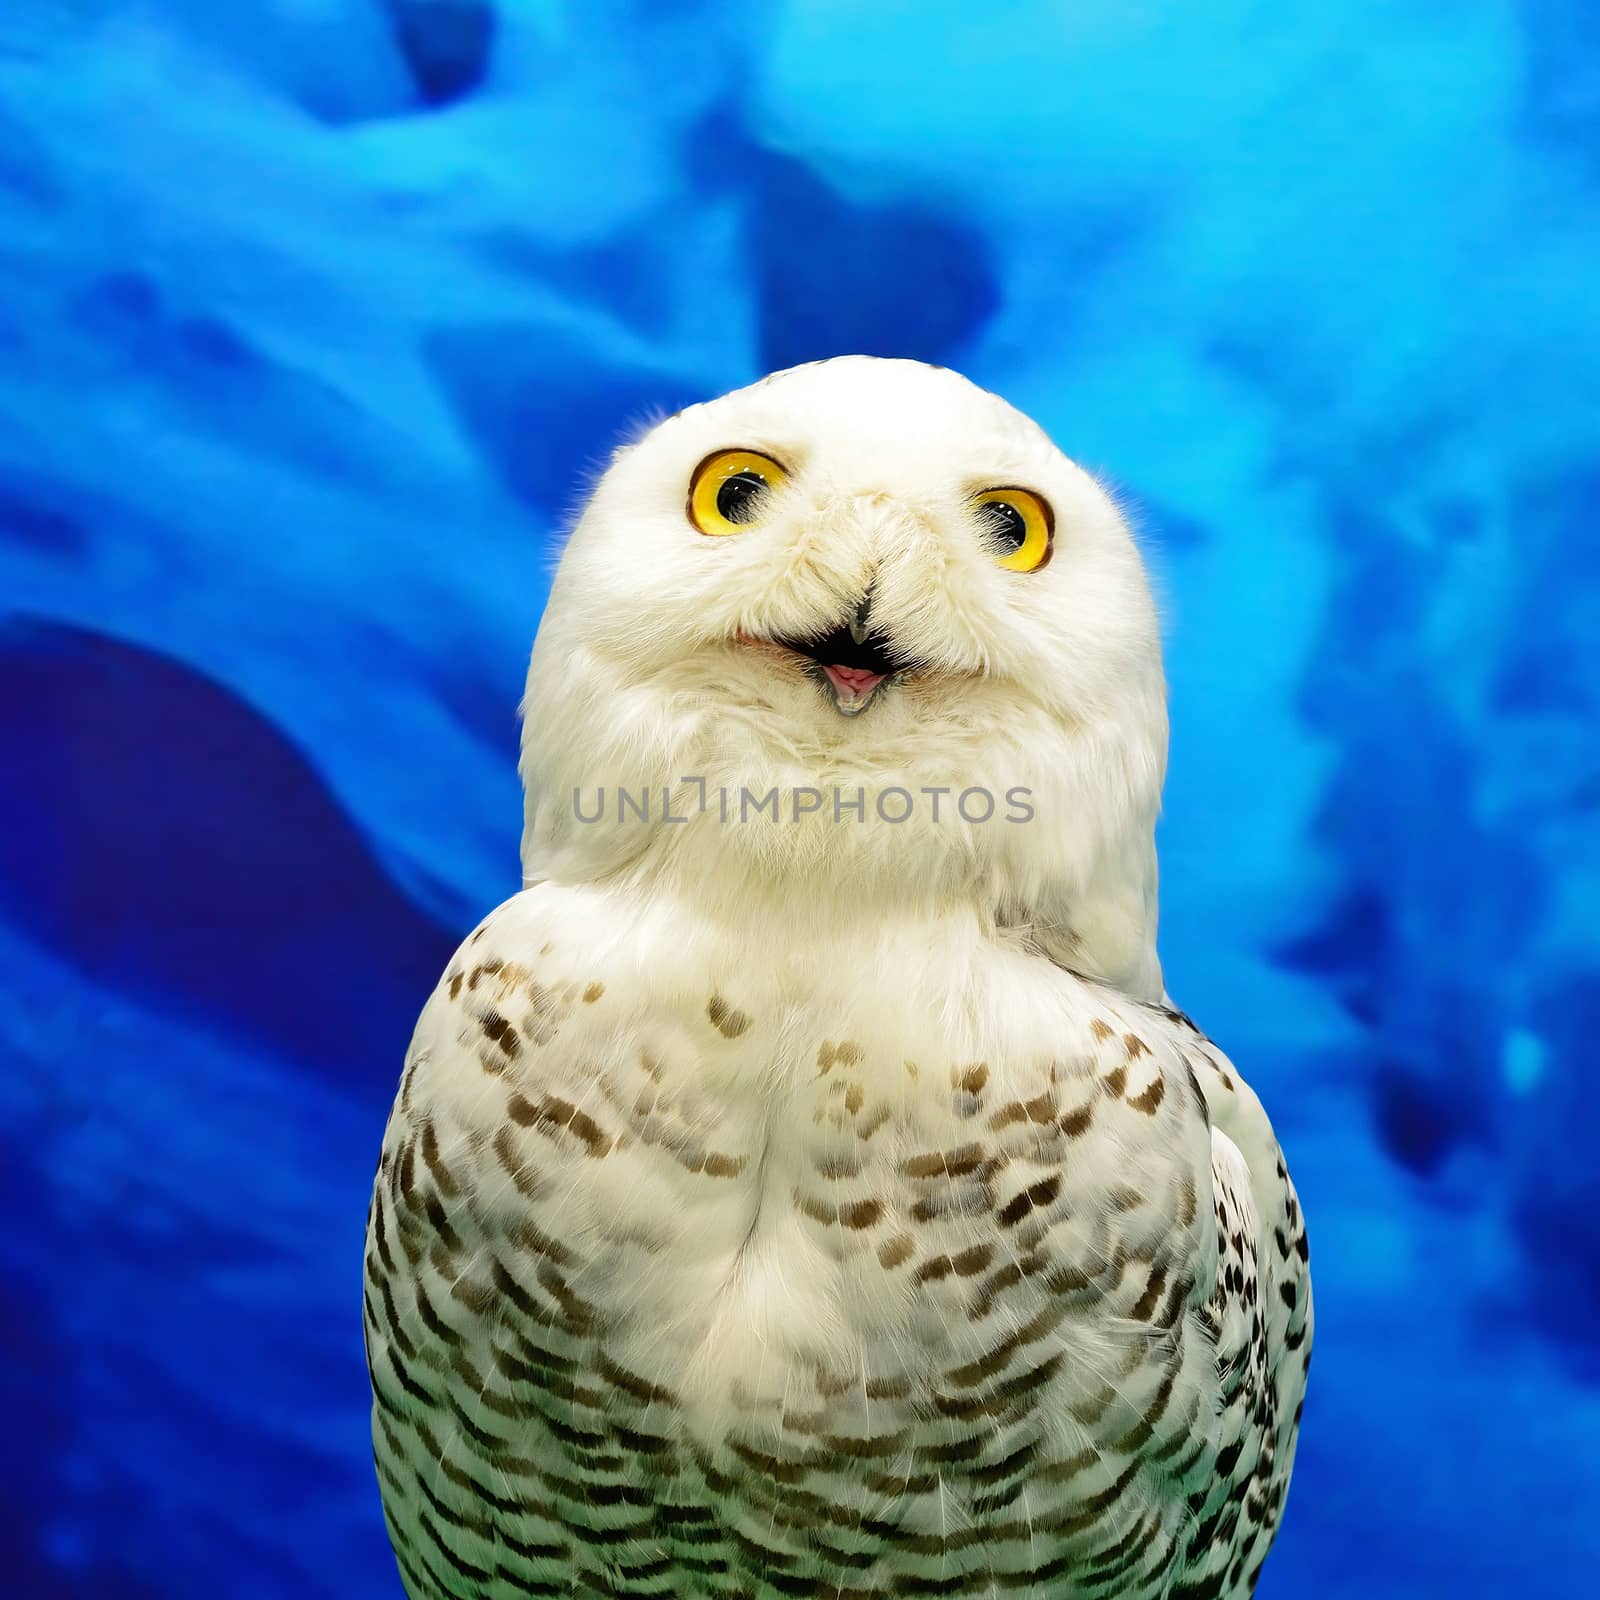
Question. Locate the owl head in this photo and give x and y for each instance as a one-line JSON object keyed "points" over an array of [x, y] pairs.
{"points": [[883, 593]]}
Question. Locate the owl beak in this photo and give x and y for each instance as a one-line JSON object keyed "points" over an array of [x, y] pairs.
{"points": [[854, 687], [859, 625], [853, 660]]}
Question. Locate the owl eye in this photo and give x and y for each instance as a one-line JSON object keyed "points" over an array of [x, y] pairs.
{"points": [[731, 490], [1019, 525]]}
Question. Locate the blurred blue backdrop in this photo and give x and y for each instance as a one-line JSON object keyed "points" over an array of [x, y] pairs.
{"points": [[313, 317]]}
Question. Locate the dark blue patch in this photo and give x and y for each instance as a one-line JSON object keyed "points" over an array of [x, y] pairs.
{"points": [[161, 833], [1437, 895], [483, 696], [1355, 927], [26, 519], [1455, 519], [1349, 950], [1556, 1193], [626, 275], [212, 379], [36, 1384], [544, 406], [447, 44], [43, 1495], [1560, 77], [1418, 1120], [27, 174], [836, 277], [1551, 664], [1412, 947], [215, 344], [119, 311]]}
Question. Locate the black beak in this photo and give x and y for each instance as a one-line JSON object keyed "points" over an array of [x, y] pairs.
{"points": [[858, 624], [852, 661]]}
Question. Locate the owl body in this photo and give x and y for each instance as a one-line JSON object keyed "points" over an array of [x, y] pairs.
{"points": [[825, 1199], [689, 1277]]}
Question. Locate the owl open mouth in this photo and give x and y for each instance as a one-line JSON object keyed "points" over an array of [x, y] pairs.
{"points": [[853, 663]]}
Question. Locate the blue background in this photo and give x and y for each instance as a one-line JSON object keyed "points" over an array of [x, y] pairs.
{"points": [[314, 316]]}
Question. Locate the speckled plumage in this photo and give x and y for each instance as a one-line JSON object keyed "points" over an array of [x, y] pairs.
{"points": [[735, 1236]]}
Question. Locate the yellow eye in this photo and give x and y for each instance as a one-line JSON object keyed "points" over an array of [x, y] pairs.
{"points": [[1020, 525], [731, 490]]}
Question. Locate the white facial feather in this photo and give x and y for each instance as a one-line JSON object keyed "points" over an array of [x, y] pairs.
{"points": [[1048, 681]]}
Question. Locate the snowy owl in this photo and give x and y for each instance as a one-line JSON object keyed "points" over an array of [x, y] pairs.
{"points": [[804, 1185]]}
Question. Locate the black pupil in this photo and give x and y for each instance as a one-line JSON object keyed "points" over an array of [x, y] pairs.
{"points": [[1005, 523], [738, 493]]}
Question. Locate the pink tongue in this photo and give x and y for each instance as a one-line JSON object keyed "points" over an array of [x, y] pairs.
{"points": [[852, 683]]}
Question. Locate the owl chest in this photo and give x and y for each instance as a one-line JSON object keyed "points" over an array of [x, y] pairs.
{"points": [[786, 1227], [794, 1259]]}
